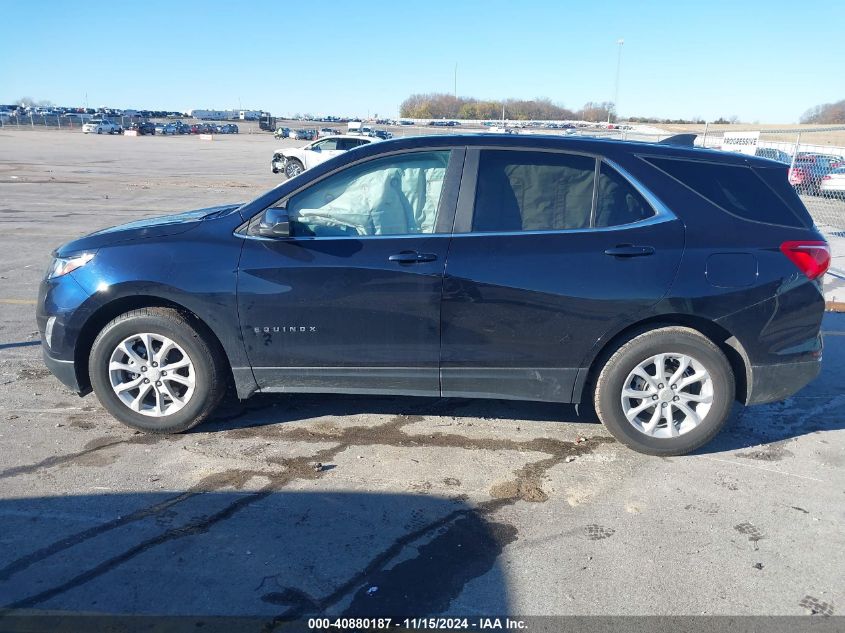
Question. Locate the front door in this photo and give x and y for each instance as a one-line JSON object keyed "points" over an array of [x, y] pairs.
{"points": [[351, 300], [556, 250], [321, 151]]}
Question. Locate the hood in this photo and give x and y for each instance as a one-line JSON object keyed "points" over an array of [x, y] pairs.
{"points": [[160, 226]]}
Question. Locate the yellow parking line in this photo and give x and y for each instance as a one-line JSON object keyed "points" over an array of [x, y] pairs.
{"points": [[19, 302]]}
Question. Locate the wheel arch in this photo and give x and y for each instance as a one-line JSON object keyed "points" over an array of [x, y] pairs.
{"points": [[721, 337], [98, 320]]}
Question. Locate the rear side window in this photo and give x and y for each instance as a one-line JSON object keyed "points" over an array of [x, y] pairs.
{"points": [[533, 191], [618, 202], [735, 188], [777, 179]]}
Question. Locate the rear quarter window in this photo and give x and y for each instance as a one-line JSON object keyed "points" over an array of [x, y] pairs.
{"points": [[752, 194]]}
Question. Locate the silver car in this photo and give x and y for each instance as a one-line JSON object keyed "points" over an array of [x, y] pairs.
{"points": [[833, 184]]}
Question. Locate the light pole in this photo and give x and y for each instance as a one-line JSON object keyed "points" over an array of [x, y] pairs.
{"points": [[619, 42]]}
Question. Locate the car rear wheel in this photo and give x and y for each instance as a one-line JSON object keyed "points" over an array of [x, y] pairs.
{"points": [[153, 371], [665, 392], [99, 130], [293, 168]]}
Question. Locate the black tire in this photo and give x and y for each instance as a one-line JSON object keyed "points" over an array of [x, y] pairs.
{"points": [[677, 340], [99, 130], [293, 163], [210, 376]]}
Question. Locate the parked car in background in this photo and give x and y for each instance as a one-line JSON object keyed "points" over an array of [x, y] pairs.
{"points": [[229, 128], [774, 154], [282, 132], [143, 128], [807, 171], [101, 126], [382, 134], [832, 185], [305, 135], [293, 161], [166, 129], [426, 266]]}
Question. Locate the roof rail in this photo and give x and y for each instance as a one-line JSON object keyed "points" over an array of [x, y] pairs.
{"points": [[679, 140]]}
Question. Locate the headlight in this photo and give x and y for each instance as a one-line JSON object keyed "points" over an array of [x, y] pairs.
{"points": [[64, 265]]}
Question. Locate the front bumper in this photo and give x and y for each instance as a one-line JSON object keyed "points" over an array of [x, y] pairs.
{"points": [[65, 371], [771, 383], [278, 164]]}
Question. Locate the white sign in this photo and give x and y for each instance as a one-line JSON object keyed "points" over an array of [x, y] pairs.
{"points": [[742, 142]]}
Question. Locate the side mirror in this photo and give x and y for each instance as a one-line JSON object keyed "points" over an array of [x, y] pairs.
{"points": [[274, 223]]}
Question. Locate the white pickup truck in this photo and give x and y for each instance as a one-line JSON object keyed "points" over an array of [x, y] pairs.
{"points": [[98, 126]]}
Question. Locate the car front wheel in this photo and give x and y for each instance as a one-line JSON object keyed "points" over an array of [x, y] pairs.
{"points": [[293, 168], [154, 371], [666, 392]]}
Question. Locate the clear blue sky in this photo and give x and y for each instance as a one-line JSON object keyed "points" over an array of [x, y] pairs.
{"points": [[763, 60]]}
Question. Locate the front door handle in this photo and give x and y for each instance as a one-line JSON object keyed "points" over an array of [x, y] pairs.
{"points": [[629, 250], [412, 257]]}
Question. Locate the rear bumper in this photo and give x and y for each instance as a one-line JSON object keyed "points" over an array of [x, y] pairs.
{"points": [[770, 383], [65, 371]]}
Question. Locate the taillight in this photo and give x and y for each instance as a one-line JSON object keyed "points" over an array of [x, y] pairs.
{"points": [[812, 258]]}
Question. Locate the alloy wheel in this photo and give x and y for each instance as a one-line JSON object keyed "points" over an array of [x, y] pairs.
{"points": [[667, 395], [152, 374]]}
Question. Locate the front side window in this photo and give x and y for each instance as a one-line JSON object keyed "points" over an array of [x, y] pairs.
{"points": [[395, 195], [533, 191], [326, 146]]}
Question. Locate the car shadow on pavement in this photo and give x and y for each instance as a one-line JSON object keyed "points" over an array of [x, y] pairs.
{"points": [[19, 344], [280, 555], [269, 409]]}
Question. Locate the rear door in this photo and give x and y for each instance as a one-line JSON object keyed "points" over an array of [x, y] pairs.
{"points": [[550, 251], [321, 151]]}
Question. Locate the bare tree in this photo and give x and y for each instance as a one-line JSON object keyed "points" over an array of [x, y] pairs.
{"points": [[826, 113]]}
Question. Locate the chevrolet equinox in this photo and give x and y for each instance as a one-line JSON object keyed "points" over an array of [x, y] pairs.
{"points": [[657, 283]]}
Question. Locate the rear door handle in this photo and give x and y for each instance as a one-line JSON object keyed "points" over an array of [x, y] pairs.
{"points": [[629, 250], [412, 257]]}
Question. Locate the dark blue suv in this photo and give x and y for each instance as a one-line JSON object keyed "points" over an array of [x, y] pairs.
{"points": [[655, 282]]}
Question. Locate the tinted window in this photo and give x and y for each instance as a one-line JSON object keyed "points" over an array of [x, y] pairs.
{"points": [[347, 143], [397, 195], [735, 188], [776, 178], [533, 191], [618, 202]]}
